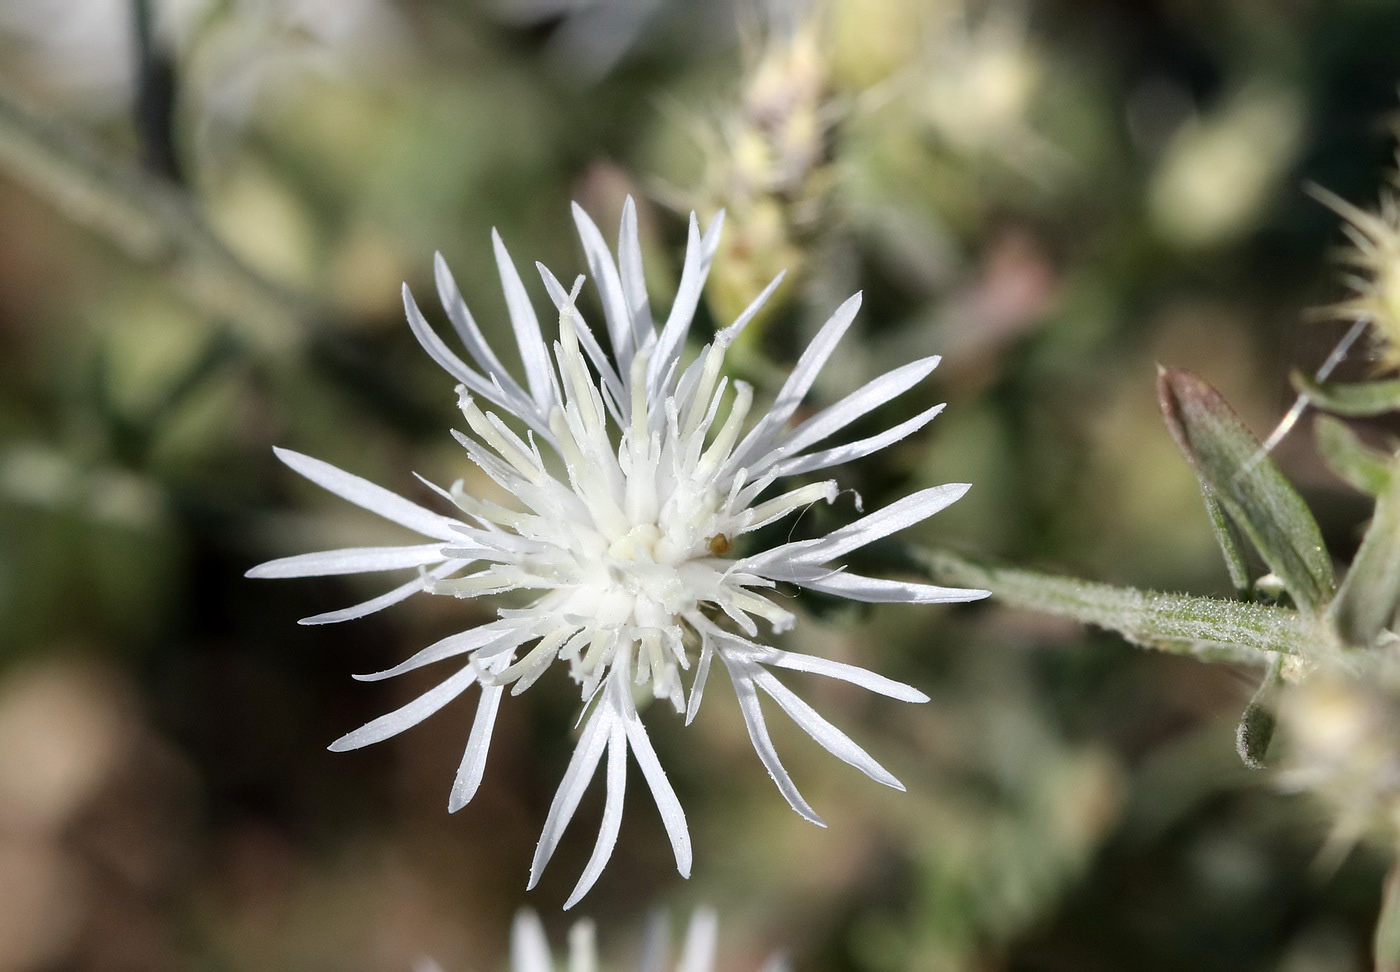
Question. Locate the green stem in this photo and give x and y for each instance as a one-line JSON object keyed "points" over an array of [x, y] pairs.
{"points": [[1202, 627]]}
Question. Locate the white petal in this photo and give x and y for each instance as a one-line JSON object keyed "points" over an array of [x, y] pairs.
{"points": [[788, 560], [437, 349], [365, 494], [508, 396], [465, 326], [473, 764], [880, 591], [657, 943], [529, 949], [899, 515], [634, 285], [701, 938], [743, 320], [803, 497], [866, 679], [697, 687], [762, 742], [856, 405], [612, 815], [833, 740], [409, 715], [583, 948], [400, 593], [505, 475], [576, 778], [798, 383], [672, 814], [352, 560], [526, 326], [496, 635], [699, 254], [609, 284], [587, 341], [855, 450]]}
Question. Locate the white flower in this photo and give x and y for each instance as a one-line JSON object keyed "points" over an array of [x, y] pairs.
{"points": [[633, 481], [529, 948]]}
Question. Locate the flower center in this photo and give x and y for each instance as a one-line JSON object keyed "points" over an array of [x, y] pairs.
{"points": [[647, 566]]}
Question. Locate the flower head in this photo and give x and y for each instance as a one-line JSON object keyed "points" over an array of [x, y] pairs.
{"points": [[1340, 732], [1374, 277], [635, 475]]}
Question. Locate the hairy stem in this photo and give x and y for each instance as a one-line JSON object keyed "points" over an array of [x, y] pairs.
{"points": [[1203, 627]]}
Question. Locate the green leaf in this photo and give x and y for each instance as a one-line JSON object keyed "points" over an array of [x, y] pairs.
{"points": [[1248, 485], [1227, 535], [1351, 459], [1204, 627], [1256, 728], [1358, 398], [1367, 601]]}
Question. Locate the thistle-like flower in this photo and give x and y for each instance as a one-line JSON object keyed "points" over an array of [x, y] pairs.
{"points": [[1374, 262], [634, 482], [1340, 734]]}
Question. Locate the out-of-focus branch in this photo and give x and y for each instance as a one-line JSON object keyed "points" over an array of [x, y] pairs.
{"points": [[150, 220], [156, 96]]}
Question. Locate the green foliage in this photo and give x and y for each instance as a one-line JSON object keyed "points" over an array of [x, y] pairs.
{"points": [[1353, 399], [1247, 483], [1367, 602], [1256, 728], [1207, 628], [1352, 460], [1227, 537]]}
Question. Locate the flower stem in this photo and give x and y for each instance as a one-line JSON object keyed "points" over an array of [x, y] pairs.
{"points": [[1204, 627]]}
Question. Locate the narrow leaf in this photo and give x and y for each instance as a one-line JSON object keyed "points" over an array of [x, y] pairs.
{"points": [[1370, 595], [1204, 627], [1351, 398], [1352, 460], [1248, 485], [1227, 536]]}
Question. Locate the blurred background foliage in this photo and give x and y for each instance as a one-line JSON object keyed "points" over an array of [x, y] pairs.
{"points": [[1053, 195]]}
